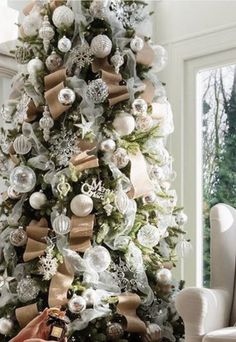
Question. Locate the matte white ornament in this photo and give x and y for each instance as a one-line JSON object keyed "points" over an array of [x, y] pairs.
{"points": [[98, 258], [139, 106], [137, 44], [6, 326], [22, 145], [108, 145], [153, 333], [37, 200], [64, 44], [61, 224], [77, 304], [144, 122], [22, 179], [101, 46], [46, 33], [53, 62], [148, 236], [35, 65], [124, 124], [63, 17], [66, 96], [81, 205], [164, 276], [120, 158]]}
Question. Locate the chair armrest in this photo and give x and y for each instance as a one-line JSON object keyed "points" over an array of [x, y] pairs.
{"points": [[203, 310]]}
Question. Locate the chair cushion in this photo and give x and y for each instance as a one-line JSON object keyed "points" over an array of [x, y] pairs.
{"points": [[222, 335]]}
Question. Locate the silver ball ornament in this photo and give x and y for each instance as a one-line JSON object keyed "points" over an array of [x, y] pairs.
{"points": [[37, 200], [114, 331], [153, 333], [139, 106], [35, 65], [18, 237], [136, 44], [22, 179], [120, 158], [6, 326], [63, 17], [27, 289], [77, 304], [101, 46], [22, 145], [98, 258], [64, 44], [81, 205], [66, 96], [181, 218], [61, 224], [124, 124], [97, 91], [108, 145], [164, 276], [53, 61]]}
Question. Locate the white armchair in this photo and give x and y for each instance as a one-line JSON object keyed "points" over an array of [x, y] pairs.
{"points": [[209, 314]]}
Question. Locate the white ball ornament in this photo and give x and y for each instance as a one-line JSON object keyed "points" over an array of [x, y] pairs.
{"points": [[108, 145], [81, 205], [6, 326], [35, 65], [22, 145], [137, 44], [66, 96], [124, 124], [101, 46], [77, 304], [98, 258], [148, 236], [64, 44], [181, 218], [63, 17], [61, 224], [37, 200], [164, 276]]}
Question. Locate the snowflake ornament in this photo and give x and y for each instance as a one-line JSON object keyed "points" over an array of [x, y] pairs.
{"points": [[80, 56], [48, 264], [128, 13], [124, 276]]}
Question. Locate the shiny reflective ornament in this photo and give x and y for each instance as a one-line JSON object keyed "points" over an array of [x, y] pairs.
{"points": [[98, 8], [101, 46], [136, 44], [181, 218], [61, 224], [144, 122], [117, 60], [63, 17], [164, 276], [148, 236], [124, 124], [35, 65], [139, 107], [64, 44], [183, 248], [161, 58], [18, 237], [22, 179], [120, 158], [37, 200], [90, 296], [66, 96], [81, 205], [121, 201], [27, 289], [114, 331], [98, 258], [150, 198], [6, 326], [23, 54], [97, 91], [46, 123], [22, 145], [53, 62], [77, 304], [153, 333], [46, 33], [108, 145], [12, 193]]}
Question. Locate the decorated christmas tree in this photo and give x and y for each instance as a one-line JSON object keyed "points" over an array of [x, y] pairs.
{"points": [[89, 222]]}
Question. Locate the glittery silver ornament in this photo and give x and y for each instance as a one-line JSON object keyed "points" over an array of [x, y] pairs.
{"points": [[137, 44], [12, 193], [114, 331], [164, 276], [139, 106], [77, 304], [22, 145], [98, 258], [64, 44], [101, 46], [46, 123], [108, 145], [6, 326], [124, 123], [120, 158], [18, 237], [66, 96], [63, 17], [148, 236], [117, 60], [81, 205], [181, 218], [97, 91], [46, 33], [153, 333], [34, 65], [53, 62], [22, 179], [23, 54], [37, 200], [27, 289], [61, 224]]}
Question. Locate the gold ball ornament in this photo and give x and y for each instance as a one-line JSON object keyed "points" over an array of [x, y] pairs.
{"points": [[153, 333], [81, 205], [63, 17]]}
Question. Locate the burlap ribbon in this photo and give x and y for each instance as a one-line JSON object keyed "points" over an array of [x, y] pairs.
{"points": [[146, 56], [141, 183], [81, 232], [53, 4], [33, 112], [127, 306], [53, 84], [84, 161], [25, 314]]}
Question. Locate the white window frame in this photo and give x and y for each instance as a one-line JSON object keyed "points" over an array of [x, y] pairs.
{"points": [[186, 58]]}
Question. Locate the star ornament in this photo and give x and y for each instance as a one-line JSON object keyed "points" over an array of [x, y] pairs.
{"points": [[85, 126], [5, 280]]}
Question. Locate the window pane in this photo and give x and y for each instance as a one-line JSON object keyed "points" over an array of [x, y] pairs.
{"points": [[217, 96]]}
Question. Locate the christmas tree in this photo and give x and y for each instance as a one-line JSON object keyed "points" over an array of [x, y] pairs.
{"points": [[89, 222]]}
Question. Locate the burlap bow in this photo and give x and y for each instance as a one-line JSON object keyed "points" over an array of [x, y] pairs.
{"points": [[84, 161], [127, 306]]}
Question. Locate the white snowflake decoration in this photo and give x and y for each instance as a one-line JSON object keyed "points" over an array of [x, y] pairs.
{"points": [[80, 56], [48, 264], [130, 14], [124, 276]]}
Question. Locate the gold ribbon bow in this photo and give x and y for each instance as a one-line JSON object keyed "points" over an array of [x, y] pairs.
{"points": [[53, 84], [127, 306]]}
